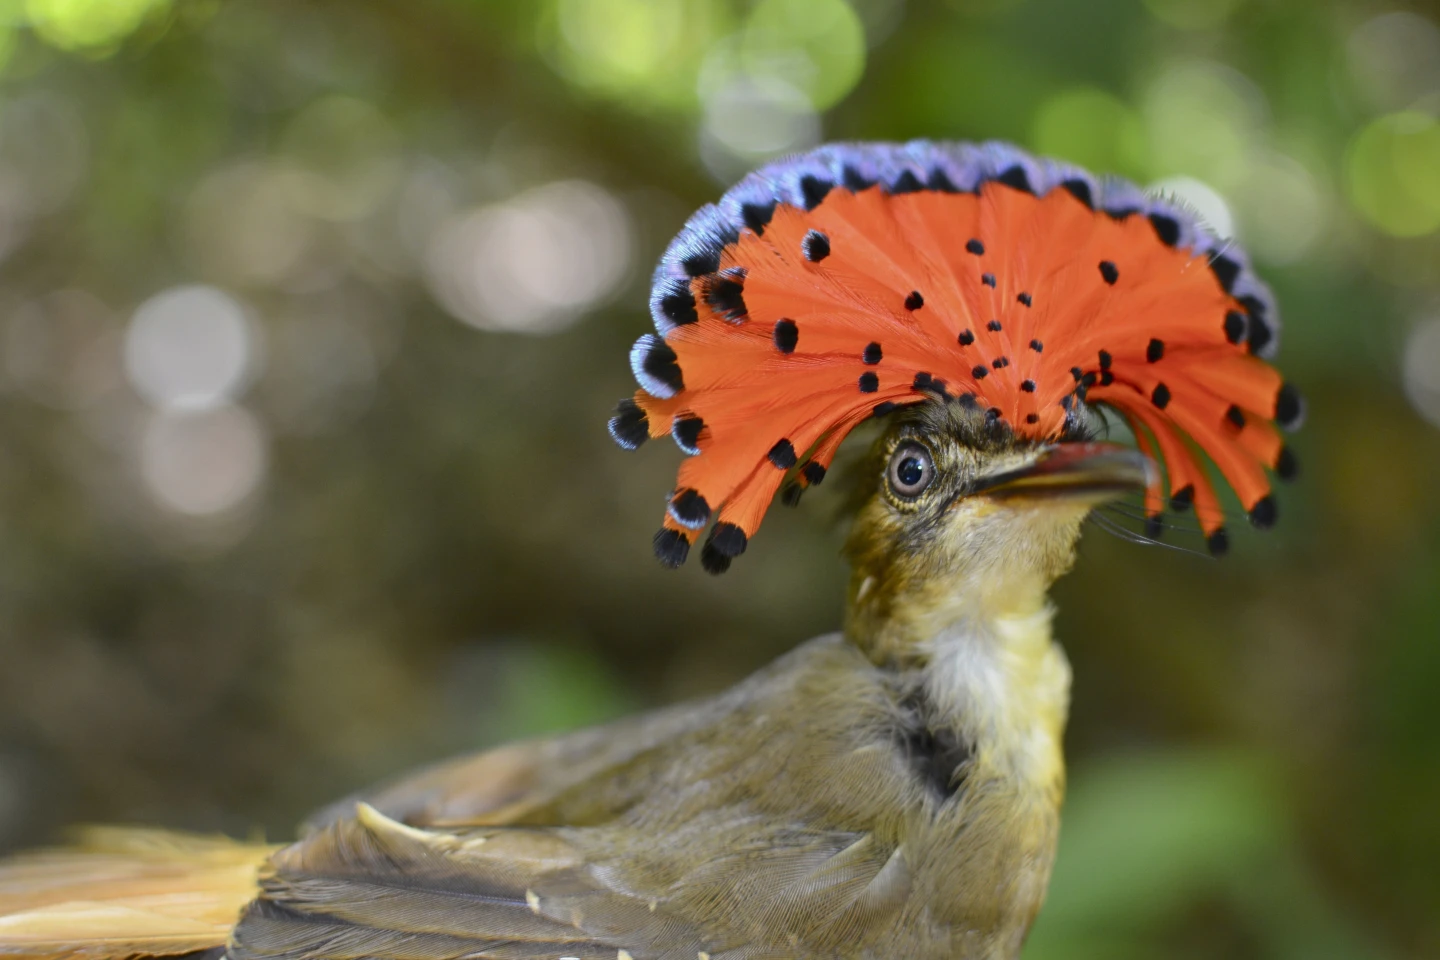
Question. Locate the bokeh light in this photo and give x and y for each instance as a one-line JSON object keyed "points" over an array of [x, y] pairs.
{"points": [[1394, 59], [189, 348], [880, 18], [1421, 364], [93, 26], [1281, 207], [535, 263], [1204, 118], [242, 224], [1193, 14], [1392, 170], [203, 462], [815, 46], [1094, 129], [44, 159], [750, 120], [645, 51]]}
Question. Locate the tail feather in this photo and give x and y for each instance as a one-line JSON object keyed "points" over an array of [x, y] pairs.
{"points": [[121, 893]]}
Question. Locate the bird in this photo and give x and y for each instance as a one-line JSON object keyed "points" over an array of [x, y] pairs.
{"points": [[894, 788]]}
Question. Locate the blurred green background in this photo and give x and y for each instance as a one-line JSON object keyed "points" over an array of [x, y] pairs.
{"points": [[311, 314]]}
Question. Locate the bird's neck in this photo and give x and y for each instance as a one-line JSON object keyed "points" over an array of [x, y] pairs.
{"points": [[963, 620], [991, 670]]}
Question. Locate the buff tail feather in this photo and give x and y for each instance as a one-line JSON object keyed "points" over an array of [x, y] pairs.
{"points": [[126, 893]]}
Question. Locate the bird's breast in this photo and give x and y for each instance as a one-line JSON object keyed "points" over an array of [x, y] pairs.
{"points": [[984, 857], [1004, 685]]}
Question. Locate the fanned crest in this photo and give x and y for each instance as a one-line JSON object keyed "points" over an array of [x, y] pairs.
{"points": [[839, 284]]}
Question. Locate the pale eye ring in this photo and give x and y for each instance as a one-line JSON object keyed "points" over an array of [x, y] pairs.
{"points": [[911, 470]]}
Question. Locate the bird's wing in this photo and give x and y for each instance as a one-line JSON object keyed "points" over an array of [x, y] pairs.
{"points": [[503, 785], [592, 775], [481, 789], [712, 828], [370, 888]]}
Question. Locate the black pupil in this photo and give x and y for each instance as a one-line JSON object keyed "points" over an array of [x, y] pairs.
{"points": [[910, 472]]}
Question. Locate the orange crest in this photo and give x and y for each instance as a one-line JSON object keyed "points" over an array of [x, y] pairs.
{"points": [[837, 285]]}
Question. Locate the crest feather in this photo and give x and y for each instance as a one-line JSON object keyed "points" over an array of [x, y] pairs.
{"points": [[859, 277]]}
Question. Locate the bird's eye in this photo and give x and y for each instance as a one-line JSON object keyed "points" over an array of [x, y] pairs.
{"points": [[910, 471]]}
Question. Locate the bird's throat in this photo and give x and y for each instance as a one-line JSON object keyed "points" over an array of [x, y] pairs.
{"points": [[1005, 684], [992, 671]]}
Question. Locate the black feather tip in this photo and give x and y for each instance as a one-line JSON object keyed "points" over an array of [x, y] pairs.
{"points": [[1289, 407], [725, 543], [1264, 514], [782, 455], [1181, 499], [1236, 326], [689, 508], [658, 362], [728, 539], [1166, 228], [686, 432], [1081, 191], [757, 216], [629, 427], [726, 296], [713, 561], [907, 182], [1016, 177], [671, 548], [679, 307], [1227, 271], [813, 190]]}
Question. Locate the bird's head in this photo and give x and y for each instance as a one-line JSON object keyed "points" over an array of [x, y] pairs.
{"points": [[979, 301], [957, 514]]}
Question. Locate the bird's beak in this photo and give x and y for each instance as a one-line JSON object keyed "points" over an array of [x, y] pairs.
{"points": [[1086, 471]]}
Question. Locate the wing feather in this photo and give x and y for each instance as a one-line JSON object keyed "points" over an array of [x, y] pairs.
{"points": [[370, 886]]}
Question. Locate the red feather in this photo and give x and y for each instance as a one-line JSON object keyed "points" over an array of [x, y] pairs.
{"points": [[1000, 294]]}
